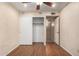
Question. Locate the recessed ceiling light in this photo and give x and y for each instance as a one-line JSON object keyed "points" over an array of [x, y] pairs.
{"points": [[24, 4], [52, 24], [54, 5], [38, 3]]}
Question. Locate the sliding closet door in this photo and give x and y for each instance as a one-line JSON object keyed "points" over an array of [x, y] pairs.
{"points": [[38, 32], [38, 29]]}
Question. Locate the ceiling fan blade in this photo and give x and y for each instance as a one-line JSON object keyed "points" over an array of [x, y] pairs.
{"points": [[26, 2], [38, 7], [48, 3]]}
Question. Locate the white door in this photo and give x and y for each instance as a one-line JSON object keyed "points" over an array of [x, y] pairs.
{"points": [[57, 30], [26, 30], [38, 32]]}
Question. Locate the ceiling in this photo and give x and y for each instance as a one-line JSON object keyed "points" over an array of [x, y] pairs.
{"points": [[31, 7]]}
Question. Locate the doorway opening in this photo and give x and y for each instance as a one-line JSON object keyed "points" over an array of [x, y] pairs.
{"points": [[38, 30], [52, 29]]}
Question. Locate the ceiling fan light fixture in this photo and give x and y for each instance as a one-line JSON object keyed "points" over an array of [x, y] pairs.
{"points": [[52, 24]]}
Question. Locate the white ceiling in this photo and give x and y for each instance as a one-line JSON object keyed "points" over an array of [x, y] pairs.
{"points": [[31, 7]]}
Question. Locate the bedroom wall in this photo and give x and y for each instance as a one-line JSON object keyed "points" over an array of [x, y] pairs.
{"points": [[69, 28], [8, 28]]}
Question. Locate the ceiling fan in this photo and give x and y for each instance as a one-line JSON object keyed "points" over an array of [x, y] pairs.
{"points": [[38, 4], [46, 3]]}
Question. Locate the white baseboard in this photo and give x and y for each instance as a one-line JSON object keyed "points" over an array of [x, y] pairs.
{"points": [[12, 49], [67, 50]]}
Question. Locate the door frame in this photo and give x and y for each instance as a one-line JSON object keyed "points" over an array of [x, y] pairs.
{"points": [[59, 30]]}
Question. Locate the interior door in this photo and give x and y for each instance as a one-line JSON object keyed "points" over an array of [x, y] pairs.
{"points": [[38, 32], [57, 31]]}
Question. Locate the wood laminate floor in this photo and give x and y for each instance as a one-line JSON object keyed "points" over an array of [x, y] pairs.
{"points": [[38, 49]]}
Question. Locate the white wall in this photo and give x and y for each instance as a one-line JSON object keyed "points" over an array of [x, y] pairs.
{"points": [[26, 30], [8, 28], [69, 29]]}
